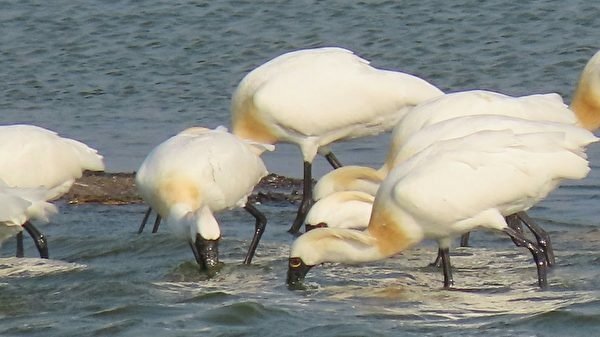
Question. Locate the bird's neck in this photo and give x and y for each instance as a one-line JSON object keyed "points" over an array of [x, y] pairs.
{"points": [[586, 105], [586, 98], [187, 222], [353, 247], [341, 246]]}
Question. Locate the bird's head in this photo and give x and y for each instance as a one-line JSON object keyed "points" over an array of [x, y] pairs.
{"points": [[308, 227], [326, 245], [205, 236], [206, 252]]}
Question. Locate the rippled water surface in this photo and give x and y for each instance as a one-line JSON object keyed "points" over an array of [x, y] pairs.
{"points": [[124, 75]]}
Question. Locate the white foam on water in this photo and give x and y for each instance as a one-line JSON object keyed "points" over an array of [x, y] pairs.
{"points": [[31, 267]]}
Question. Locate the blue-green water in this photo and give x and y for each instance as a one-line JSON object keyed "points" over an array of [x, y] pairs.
{"points": [[124, 75]]}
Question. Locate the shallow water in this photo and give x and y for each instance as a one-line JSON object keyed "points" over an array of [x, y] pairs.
{"points": [[124, 75]]}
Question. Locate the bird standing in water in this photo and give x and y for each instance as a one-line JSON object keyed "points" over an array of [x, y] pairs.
{"points": [[448, 189], [196, 173], [315, 97], [32, 157]]}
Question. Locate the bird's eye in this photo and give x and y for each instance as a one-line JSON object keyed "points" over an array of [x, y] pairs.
{"points": [[295, 262]]}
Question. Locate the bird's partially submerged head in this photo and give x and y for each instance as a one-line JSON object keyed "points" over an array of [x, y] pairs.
{"points": [[207, 254], [297, 270]]}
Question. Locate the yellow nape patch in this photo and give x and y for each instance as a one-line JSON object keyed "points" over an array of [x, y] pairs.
{"points": [[180, 190], [358, 196], [359, 173], [586, 106], [391, 237], [247, 124]]}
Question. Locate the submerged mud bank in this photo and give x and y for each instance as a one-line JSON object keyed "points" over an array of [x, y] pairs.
{"points": [[119, 189]]}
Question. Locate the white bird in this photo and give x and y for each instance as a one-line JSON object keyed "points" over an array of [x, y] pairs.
{"points": [[488, 111], [448, 189], [199, 172], [366, 180], [34, 157], [345, 209], [441, 131], [315, 97], [549, 107], [18, 206], [584, 111]]}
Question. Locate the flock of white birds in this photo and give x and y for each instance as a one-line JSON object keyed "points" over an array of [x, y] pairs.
{"points": [[457, 162]]}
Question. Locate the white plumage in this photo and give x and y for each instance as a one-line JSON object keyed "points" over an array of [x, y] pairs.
{"points": [[346, 209], [359, 181], [37, 165], [449, 188], [196, 173], [584, 111], [31, 156], [315, 97], [18, 205]]}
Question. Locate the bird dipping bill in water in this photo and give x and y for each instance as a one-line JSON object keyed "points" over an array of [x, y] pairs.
{"points": [[315, 97], [199, 172], [327, 209], [583, 111], [448, 189]]}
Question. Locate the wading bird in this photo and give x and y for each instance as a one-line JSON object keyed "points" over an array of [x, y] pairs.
{"points": [[345, 209], [199, 172], [34, 157], [448, 189], [315, 97], [17, 207], [451, 129], [584, 111]]}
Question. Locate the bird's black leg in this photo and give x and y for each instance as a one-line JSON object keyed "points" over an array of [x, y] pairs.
{"points": [[307, 201], [538, 254], [38, 238], [197, 255], [464, 239], [447, 267], [541, 236], [333, 161], [259, 229], [438, 259], [144, 220], [514, 222], [20, 250], [156, 223]]}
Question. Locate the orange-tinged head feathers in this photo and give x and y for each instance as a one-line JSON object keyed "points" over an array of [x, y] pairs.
{"points": [[248, 124], [586, 99], [391, 236], [179, 190]]}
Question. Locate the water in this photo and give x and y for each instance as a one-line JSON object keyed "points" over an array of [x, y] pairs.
{"points": [[122, 76]]}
